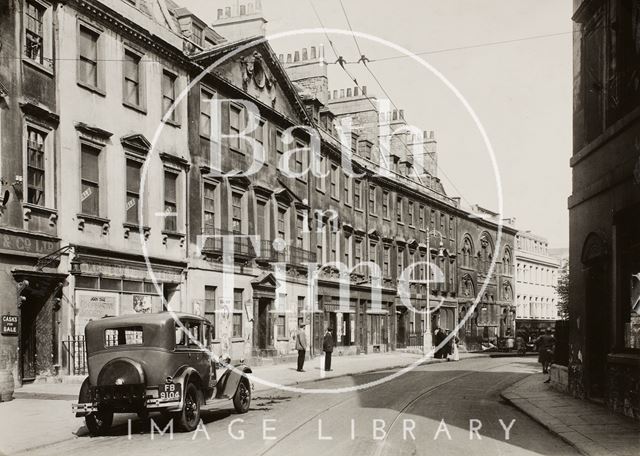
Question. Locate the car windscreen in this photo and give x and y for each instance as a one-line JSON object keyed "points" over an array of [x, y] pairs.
{"points": [[129, 335]]}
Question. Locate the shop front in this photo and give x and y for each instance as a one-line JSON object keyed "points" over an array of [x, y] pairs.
{"points": [[30, 292], [106, 287]]}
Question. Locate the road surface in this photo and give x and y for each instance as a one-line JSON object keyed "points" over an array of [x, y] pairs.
{"points": [[438, 409]]}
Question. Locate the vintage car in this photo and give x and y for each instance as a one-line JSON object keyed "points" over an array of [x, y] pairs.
{"points": [[150, 362]]}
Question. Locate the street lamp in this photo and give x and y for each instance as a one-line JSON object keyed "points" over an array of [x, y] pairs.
{"points": [[428, 337]]}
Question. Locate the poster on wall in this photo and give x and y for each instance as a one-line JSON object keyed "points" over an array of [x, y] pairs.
{"points": [[93, 305], [139, 303]]}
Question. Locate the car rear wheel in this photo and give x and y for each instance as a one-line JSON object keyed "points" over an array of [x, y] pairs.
{"points": [[242, 398], [189, 417], [99, 422]]}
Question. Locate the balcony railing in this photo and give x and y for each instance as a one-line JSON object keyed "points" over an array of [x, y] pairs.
{"points": [[299, 256], [242, 245]]}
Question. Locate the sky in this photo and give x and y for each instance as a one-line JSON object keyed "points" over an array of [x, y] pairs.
{"points": [[511, 60]]}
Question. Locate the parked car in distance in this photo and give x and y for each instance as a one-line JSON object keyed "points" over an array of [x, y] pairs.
{"points": [[154, 362]]}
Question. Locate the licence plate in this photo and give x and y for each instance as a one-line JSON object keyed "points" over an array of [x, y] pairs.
{"points": [[170, 392]]}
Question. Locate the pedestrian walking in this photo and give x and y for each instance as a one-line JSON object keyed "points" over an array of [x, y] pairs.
{"points": [[455, 354], [327, 347], [545, 343], [301, 346]]}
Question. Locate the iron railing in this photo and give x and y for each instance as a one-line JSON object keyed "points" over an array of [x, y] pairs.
{"points": [[75, 351], [299, 256], [242, 245]]}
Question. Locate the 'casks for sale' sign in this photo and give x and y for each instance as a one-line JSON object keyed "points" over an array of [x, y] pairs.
{"points": [[9, 325]]}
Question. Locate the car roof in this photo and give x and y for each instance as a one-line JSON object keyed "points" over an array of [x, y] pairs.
{"points": [[159, 318]]}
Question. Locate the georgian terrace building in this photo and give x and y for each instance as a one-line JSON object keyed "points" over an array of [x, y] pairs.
{"points": [[118, 66]]}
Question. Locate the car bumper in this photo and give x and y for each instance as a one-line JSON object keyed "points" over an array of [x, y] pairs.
{"points": [[125, 398]]}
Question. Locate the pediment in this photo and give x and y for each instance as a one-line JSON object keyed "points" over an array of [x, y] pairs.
{"points": [[136, 142], [265, 280], [284, 195], [256, 70]]}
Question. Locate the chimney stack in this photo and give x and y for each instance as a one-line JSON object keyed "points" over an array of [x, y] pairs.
{"points": [[240, 20]]}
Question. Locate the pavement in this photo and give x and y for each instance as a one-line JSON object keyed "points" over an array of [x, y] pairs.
{"points": [[45, 408], [589, 427]]}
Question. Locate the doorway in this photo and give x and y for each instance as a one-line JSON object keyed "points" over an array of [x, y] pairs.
{"points": [[597, 328], [264, 324]]}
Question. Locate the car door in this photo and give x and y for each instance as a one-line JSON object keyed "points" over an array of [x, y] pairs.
{"points": [[190, 339]]}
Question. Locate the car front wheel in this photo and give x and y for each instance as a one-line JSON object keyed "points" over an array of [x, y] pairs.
{"points": [[189, 417], [242, 398]]}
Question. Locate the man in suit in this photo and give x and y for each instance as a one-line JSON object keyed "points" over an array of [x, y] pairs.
{"points": [[301, 346], [327, 347]]}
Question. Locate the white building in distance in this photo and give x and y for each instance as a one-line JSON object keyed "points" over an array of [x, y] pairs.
{"points": [[536, 279]]}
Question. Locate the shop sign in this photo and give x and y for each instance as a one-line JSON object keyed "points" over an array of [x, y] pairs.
{"points": [[10, 324], [13, 241]]}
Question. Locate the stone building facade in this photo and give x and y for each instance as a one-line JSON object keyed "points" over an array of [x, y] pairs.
{"points": [[604, 224], [124, 154], [536, 281]]}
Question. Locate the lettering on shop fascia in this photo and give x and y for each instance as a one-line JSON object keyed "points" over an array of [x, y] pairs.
{"points": [[22, 243]]}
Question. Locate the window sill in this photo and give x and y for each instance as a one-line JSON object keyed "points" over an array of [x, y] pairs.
{"points": [[129, 227], [140, 109], [357, 209], [91, 88], [38, 66], [166, 235], [320, 190], [282, 339], [371, 214], [631, 358], [335, 198], [301, 180], [29, 208], [93, 220], [400, 223], [173, 123]]}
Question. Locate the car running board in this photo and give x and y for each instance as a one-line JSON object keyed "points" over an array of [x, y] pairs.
{"points": [[214, 404]]}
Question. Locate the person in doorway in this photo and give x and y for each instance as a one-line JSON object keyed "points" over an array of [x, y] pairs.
{"points": [[438, 338], [301, 346], [327, 347], [545, 343]]}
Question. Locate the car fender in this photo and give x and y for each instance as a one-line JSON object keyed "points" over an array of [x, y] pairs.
{"points": [[84, 397], [183, 376], [230, 379]]}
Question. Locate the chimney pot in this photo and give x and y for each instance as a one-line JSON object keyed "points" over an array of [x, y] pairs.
{"points": [[243, 10], [395, 114], [250, 8], [355, 91], [341, 93], [220, 13], [402, 114], [329, 95], [335, 94], [296, 56], [364, 90], [349, 92], [313, 52], [227, 11], [258, 6], [288, 58], [305, 55]]}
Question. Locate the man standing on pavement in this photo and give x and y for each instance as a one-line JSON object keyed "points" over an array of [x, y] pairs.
{"points": [[327, 347], [301, 346]]}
